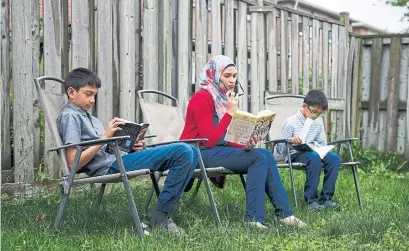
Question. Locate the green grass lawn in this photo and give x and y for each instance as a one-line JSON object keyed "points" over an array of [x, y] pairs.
{"points": [[382, 225]]}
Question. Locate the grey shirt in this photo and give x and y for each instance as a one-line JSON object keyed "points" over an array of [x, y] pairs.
{"points": [[76, 125]]}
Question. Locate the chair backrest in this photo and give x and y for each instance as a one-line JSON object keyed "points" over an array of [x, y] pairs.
{"points": [[285, 105], [166, 121], [52, 100]]}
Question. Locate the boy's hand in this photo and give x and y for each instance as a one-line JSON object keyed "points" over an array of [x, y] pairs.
{"points": [[296, 140], [251, 144], [139, 146], [113, 126]]}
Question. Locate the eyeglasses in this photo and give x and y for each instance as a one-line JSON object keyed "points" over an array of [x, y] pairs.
{"points": [[235, 87], [314, 113]]}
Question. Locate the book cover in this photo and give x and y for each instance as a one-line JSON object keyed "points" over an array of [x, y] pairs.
{"points": [[306, 147], [134, 130], [245, 125]]}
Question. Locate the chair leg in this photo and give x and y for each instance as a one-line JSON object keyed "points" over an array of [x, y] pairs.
{"points": [[243, 182], [63, 204], [195, 192], [100, 194], [355, 173], [208, 189], [128, 191], [358, 194], [155, 178], [291, 176], [150, 195]]}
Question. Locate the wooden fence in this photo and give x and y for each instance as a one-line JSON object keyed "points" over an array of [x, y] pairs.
{"points": [[154, 44], [384, 81]]}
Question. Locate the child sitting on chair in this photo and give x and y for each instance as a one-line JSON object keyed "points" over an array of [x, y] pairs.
{"points": [[314, 106], [75, 124]]}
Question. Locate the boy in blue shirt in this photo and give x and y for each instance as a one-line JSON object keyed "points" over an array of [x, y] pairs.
{"points": [[76, 125], [315, 104]]}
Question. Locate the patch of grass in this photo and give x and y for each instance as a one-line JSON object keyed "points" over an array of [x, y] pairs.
{"points": [[382, 225]]}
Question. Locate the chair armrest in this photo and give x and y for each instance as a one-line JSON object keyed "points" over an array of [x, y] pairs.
{"points": [[341, 141], [179, 141], [90, 142], [277, 141], [150, 136]]}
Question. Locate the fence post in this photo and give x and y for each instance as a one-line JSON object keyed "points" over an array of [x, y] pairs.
{"points": [[258, 65], [26, 53], [347, 116], [105, 62], [5, 149], [150, 46], [55, 58]]}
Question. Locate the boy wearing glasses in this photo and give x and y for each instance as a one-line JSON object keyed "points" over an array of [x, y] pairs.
{"points": [[315, 104]]}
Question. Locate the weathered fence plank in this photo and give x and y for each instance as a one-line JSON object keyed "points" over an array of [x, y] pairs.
{"points": [[201, 39], [229, 42], [242, 55], [306, 55], [5, 148], [81, 40], [284, 50], [393, 95], [216, 28], [383, 97], [355, 88], [365, 80], [105, 62], [334, 61], [343, 83], [258, 80], [56, 65], [315, 52], [150, 46], [115, 58], [184, 56], [127, 56], [26, 51], [325, 57], [374, 93], [295, 51]]}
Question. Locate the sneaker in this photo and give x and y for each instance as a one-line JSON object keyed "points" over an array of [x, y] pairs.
{"points": [[171, 227], [331, 205], [145, 228], [314, 206], [256, 225], [293, 221]]}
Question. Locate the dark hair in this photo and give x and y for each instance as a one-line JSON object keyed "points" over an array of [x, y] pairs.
{"points": [[80, 77], [316, 98]]}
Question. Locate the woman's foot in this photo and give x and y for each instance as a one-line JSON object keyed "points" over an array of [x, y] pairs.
{"points": [[256, 225], [293, 222]]}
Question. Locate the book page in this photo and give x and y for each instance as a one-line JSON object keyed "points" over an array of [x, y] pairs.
{"points": [[241, 127], [305, 129], [322, 150], [263, 125]]}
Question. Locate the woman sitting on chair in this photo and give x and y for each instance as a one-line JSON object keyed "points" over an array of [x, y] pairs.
{"points": [[208, 115]]}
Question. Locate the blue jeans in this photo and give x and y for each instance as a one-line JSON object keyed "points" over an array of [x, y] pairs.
{"points": [[330, 163], [181, 159], [262, 177]]}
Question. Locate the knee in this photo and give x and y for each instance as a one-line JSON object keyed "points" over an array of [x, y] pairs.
{"points": [[183, 152], [314, 160], [333, 159]]}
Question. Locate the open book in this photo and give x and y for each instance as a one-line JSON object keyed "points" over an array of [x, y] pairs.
{"points": [[245, 125], [321, 150], [134, 130]]}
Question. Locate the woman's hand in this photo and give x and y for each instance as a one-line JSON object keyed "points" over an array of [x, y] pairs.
{"points": [[251, 144], [139, 146], [231, 105]]}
